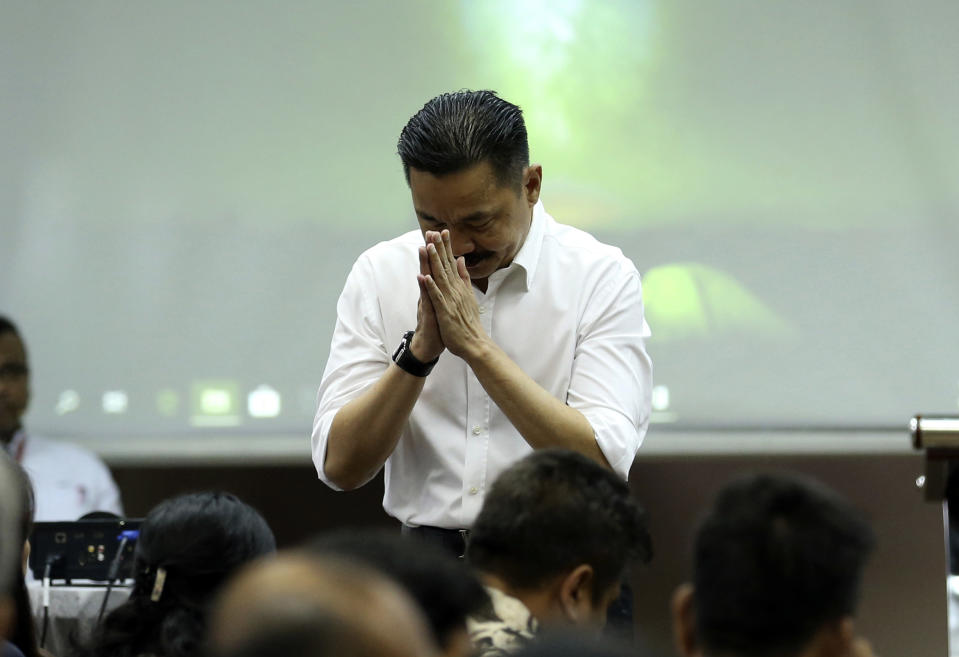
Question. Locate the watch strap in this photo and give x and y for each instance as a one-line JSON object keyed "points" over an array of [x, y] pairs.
{"points": [[406, 361]]}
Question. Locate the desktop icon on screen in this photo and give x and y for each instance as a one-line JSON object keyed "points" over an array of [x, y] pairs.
{"points": [[67, 402], [660, 398], [661, 402], [263, 402], [115, 402], [168, 402], [215, 403]]}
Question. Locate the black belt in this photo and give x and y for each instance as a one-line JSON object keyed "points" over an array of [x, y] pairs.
{"points": [[454, 541]]}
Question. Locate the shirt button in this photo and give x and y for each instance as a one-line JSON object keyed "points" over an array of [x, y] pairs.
{"points": [[473, 491], [482, 309], [477, 431]]}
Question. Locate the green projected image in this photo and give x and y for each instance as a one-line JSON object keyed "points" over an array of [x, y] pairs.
{"points": [[581, 72], [184, 188], [691, 301], [666, 112]]}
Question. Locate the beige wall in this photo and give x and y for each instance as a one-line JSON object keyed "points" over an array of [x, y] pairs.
{"points": [[903, 608]]}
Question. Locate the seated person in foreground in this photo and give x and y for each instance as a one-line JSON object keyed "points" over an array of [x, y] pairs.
{"points": [[11, 549], [776, 571], [552, 543], [23, 634], [301, 605], [69, 481], [442, 585], [188, 547]]}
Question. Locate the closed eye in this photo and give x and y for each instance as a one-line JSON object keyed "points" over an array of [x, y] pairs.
{"points": [[481, 222], [432, 223]]}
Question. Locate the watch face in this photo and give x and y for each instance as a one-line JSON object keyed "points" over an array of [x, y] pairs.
{"points": [[404, 345], [407, 362]]}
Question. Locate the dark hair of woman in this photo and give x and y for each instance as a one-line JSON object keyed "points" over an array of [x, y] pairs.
{"points": [[187, 548]]}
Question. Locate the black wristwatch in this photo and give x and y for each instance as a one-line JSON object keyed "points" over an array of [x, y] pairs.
{"points": [[409, 363]]}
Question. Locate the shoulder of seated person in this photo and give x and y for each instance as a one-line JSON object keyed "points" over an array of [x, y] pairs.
{"points": [[64, 449]]}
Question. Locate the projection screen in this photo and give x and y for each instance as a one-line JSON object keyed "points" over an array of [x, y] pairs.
{"points": [[184, 187]]}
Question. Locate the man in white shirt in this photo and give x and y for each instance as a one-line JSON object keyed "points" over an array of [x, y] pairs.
{"points": [[528, 333], [69, 480]]}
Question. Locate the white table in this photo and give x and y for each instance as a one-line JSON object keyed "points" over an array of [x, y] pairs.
{"points": [[73, 609]]}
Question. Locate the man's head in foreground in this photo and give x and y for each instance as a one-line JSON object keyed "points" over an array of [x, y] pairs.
{"points": [[299, 605], [776, 571], [466, 159], [557, 531], [443, 587], [14, 379]]}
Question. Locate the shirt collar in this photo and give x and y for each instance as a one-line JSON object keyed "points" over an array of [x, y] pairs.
{"points": [[512, 611], [16, 445], [528, 256]]}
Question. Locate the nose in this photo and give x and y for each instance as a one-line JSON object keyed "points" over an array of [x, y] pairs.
{"points": [[461, 242]]}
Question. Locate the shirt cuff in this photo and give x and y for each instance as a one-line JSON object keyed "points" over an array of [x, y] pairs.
{"points": [[618, 438]]}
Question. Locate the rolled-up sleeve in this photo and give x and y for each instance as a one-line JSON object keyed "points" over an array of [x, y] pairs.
{"points": [[611, 378], [358, 357]]}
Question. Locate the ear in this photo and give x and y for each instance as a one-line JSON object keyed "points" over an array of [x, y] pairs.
{"points": [[684, 622], [532, 183], [576, 594]]}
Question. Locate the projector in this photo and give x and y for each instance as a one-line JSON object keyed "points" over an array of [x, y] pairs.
{"points": [[83, 549]]}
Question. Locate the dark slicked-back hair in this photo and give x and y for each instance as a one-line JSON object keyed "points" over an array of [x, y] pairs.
{"points": [[455, 131], [777, 558], [552, 511]]}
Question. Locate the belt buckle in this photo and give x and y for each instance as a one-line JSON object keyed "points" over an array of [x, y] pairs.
{"points": [[465, 536]]}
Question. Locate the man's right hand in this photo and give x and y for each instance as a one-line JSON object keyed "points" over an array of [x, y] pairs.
{"points": [[427, 343]]}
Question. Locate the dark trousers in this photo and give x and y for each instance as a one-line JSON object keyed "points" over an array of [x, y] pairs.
{"points": [[453, 541]]}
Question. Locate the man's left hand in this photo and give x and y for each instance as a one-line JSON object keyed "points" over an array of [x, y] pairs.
{"points": [[451, 292]]}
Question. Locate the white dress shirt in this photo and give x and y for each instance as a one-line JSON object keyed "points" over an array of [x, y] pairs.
{"points": [[68, 480], [568, 310]]}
